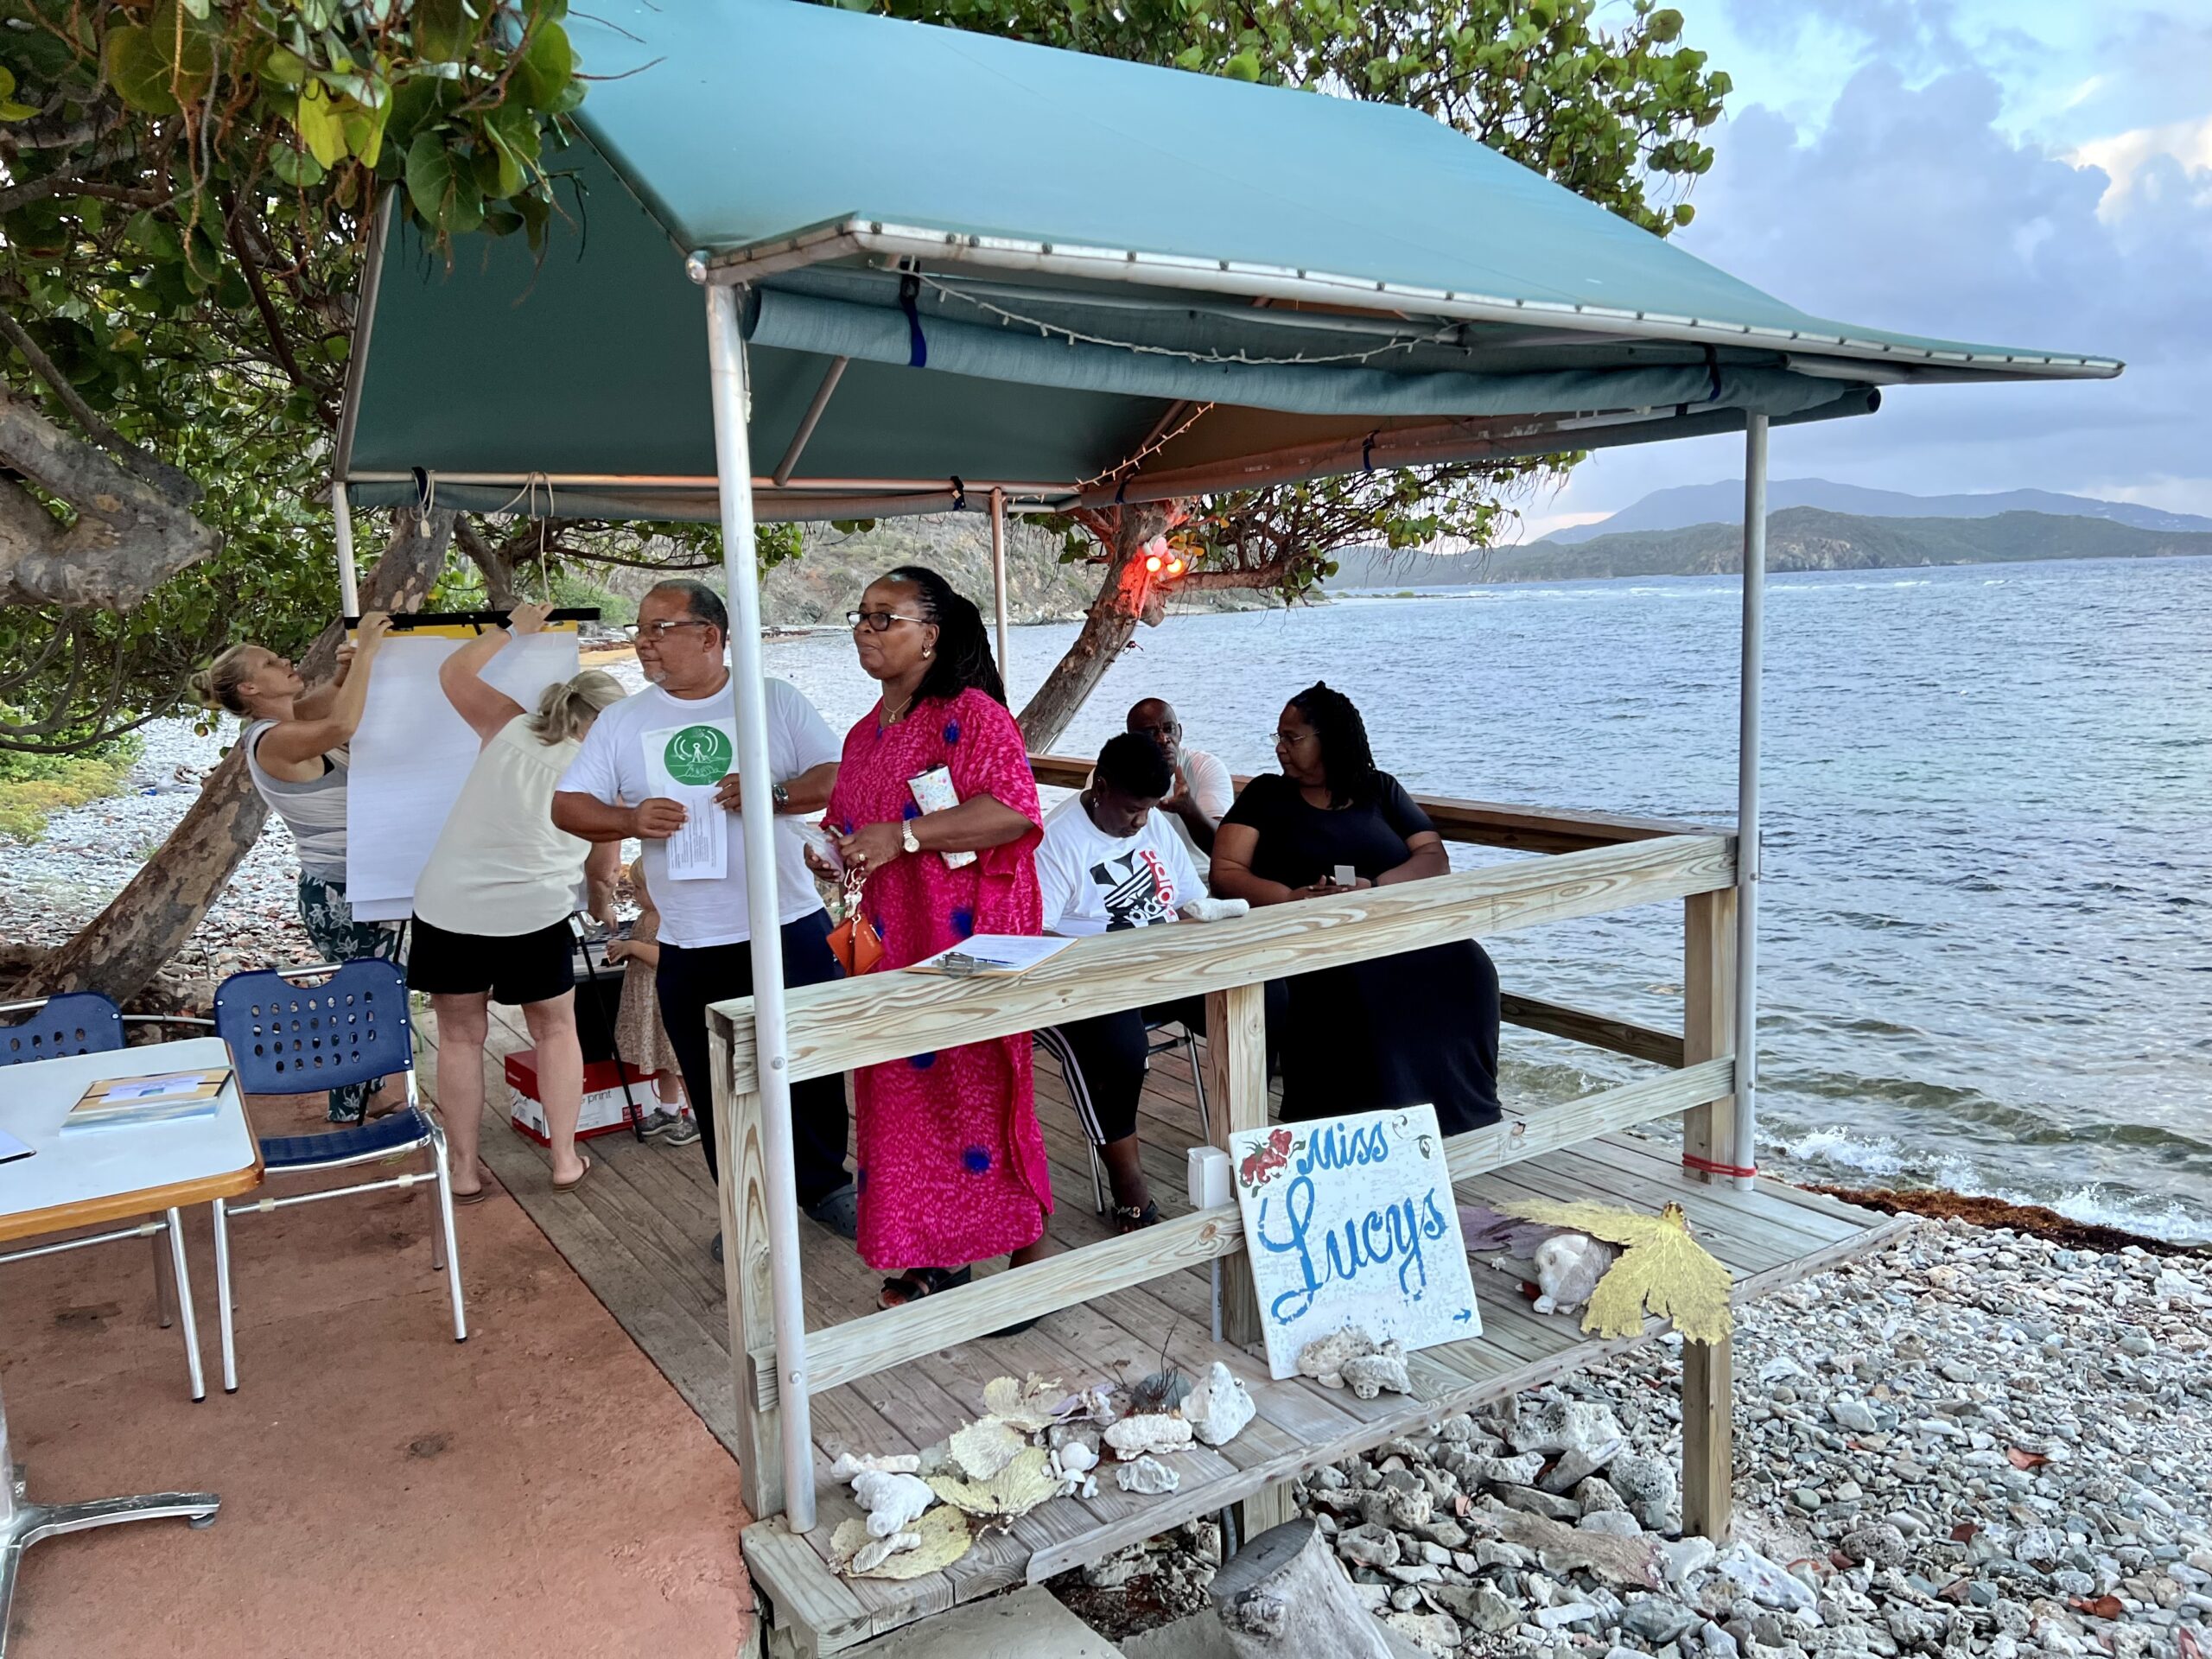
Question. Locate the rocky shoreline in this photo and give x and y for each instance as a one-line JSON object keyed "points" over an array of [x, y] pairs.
{"points": [[1975, 1442]]}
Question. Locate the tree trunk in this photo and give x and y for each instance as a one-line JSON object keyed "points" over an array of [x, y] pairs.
{"points": [[120, 950], [1285, 1595], [1125, 598]]}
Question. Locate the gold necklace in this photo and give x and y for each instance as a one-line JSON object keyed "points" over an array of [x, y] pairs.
{"points": [[894, 716]]}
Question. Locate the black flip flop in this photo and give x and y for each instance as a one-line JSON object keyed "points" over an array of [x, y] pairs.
{"points": [[915, 1283]]}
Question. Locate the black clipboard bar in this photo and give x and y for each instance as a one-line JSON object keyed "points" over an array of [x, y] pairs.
{"points": [[408, 620]]}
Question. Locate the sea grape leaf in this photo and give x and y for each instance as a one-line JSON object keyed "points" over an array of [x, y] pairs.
{"points": [[1661, 1267]]}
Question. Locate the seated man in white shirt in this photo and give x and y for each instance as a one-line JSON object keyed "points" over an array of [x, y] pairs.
{"points": [[1200, 793], [1109, 860]]}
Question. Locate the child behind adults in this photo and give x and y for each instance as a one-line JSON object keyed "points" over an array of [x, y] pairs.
{"points": [[638, 1033], [1110, 861]]}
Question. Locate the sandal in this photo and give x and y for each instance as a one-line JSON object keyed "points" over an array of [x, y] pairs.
{"points": [[570, 1187], [917, 1283], [1128, 1219]]}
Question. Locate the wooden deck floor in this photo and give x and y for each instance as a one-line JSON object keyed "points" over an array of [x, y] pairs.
{"points": [[637, 1234]]}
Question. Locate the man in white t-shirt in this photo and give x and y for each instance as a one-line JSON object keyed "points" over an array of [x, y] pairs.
{"points": [[674, 743], [1203, 790], [1110, 861]]}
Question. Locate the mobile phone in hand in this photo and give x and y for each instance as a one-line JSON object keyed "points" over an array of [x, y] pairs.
{"points": [[1346, 876]]}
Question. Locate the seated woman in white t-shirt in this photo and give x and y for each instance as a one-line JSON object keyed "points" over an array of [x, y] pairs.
{"points": [[1109, 860]]}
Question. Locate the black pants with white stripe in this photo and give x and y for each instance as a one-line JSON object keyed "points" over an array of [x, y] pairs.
{"points": [[1105, 1059]]}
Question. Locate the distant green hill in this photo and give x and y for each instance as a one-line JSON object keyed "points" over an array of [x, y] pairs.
{"points": [[1798, 538]]}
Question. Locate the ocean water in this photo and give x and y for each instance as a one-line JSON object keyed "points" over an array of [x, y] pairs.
{"points": [[1986, 916]]}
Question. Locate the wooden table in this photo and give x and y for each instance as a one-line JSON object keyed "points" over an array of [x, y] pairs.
{"points": [[103, 1175]]}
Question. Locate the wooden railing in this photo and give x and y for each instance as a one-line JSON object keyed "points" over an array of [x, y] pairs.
{"points": [[1481, 823], [1615, 864]]}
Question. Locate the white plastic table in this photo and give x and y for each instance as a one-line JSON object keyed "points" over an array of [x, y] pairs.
{"points": [[112, 1174]]}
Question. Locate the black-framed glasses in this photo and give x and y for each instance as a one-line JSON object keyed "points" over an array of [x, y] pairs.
{"points": [[878, 621], [651, 632]]}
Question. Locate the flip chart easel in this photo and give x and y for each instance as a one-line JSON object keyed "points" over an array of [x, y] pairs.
{"points": [[412, 753]]}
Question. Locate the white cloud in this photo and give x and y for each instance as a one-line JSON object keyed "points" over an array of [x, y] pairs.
{"points": [[2126, 158], [1913, 207]]}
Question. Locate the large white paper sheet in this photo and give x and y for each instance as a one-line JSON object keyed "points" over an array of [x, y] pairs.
{"points": [[687, 764], [412, 754]]}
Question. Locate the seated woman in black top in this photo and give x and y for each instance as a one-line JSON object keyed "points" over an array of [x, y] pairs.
{"points": [[1398, 1030]]}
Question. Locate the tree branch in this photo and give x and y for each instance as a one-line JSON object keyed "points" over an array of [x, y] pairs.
{"points": [[270, 320], [129, 536], [167, 478]]}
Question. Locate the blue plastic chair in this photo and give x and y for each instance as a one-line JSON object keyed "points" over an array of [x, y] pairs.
{"points": [[84, 1022], [289, 1037]]}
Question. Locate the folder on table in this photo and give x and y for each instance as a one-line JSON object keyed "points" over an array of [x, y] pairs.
{"points": [[112, 1101]]}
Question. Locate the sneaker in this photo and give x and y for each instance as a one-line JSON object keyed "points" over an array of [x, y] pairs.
{"points": [[655, 1124], [682, 1131]]}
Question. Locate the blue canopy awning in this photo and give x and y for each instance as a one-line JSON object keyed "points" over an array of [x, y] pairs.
{"points": [[1071, 277]]}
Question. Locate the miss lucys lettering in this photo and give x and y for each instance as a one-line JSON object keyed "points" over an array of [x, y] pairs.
{"points": [[1350, 1221]]}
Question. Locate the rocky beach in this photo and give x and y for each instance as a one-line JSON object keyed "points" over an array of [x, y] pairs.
{"points": [[1975, 1442]]}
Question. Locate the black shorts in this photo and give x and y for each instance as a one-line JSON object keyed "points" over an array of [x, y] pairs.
{"points": [[520, 967]]}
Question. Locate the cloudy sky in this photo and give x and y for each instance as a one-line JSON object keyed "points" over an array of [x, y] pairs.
{"points": [[2018, 172]]}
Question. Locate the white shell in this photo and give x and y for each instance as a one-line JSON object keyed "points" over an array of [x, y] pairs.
{"points": [[1133, 1437], [847, 1464], [1148, 1476], [1075, 1458], [1219, 1407], [873, 1554], [893, 1501], [1568, 1267]]}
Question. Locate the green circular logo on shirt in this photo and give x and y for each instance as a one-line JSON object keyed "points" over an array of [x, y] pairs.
{"points": [[698, 754]]}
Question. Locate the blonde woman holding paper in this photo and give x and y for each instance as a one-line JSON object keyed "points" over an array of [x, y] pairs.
{"points": [[294, 739], [493, 904]]}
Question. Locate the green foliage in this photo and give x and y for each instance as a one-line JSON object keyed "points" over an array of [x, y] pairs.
{"points": [[34, 786], [189, 191]]}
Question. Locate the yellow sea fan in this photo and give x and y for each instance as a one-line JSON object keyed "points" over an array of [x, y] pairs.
{"points": [[1016, 1489], [984, 1449], [1026, 1406], [944, 1538], [1661, 1267]]}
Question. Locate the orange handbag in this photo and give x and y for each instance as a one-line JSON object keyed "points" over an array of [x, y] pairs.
{"points": [[855, 942]]}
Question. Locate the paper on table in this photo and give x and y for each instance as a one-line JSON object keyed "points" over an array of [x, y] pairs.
{"points": [[177, 1083], [412, 753], [685, 763], [11, 1148], [993, 955]]}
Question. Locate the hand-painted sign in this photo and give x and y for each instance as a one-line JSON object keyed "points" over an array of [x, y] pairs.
{"points": [[1351, 1221]]}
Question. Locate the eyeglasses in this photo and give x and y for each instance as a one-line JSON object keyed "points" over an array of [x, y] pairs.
{"points": [[651, 632], [1292, 740], [1168, 729], [878, 621]]}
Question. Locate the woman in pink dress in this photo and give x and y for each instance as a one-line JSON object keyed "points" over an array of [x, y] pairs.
{"points": [[951, 1164]]}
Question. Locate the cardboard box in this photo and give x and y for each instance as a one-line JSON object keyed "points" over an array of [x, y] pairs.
{"points": [[605, 1111]]}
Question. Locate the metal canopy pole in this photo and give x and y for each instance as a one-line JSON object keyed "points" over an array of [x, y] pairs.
{"points": [[726, 363], [1745, 1154], [349, 579], [998, 585]]}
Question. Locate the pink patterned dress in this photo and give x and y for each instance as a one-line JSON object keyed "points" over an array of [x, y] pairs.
{"points": [[951, 1164]]}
